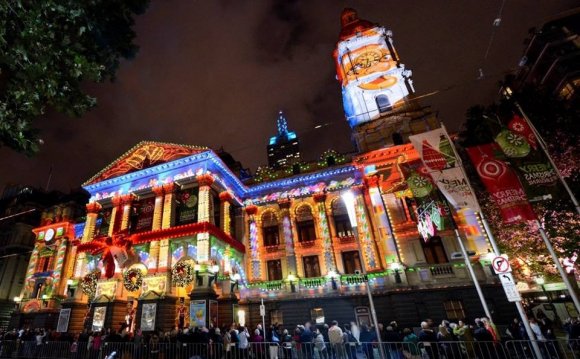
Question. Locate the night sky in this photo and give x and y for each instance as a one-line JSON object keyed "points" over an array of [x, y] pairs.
{"points": [[216, 73]]}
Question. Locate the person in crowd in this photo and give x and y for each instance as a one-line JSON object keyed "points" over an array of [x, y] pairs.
{"points": [[319, 344], [336, 341], [429, 339], [392, 337], [367, 338], [485, 346], [257, 341], [410, 345], [286, 343], [244, 343]]}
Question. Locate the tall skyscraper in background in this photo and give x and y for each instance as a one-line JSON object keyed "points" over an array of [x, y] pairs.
{"points": [[284, 148]]}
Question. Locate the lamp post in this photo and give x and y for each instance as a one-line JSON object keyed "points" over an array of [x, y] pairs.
{"points": [[349, 200], [17, 301], [333, 275], [292, 279], [396, 267], [235, 282]]}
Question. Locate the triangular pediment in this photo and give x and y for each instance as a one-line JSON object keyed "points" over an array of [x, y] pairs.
{"points": [[143, 155]]}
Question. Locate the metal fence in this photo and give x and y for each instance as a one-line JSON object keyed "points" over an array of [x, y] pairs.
{"points": [[514, 349]]}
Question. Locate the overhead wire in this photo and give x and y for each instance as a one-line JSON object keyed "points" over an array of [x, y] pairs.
{"points": [[495, 24]]}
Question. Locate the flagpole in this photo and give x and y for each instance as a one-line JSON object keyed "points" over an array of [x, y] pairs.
{"points": [[494, 246], [507, 94], [558, 265]]}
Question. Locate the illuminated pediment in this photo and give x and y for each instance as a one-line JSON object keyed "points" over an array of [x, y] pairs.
{"points": [[143, 155]]}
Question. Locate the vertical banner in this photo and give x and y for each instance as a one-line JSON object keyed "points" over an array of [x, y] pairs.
{"points": [[502, 184], [437, 154], [213, 313], [186, 209], [142, 219], [197, 313], [519, 144], [99, 317], [148, 314], [63, 319]]}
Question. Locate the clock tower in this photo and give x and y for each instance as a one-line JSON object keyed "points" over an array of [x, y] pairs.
{"points": [[377, 89]]}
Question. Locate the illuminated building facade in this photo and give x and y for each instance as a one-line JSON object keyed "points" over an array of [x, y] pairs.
{"points": [[172, 237], [284, 148], [377, 89]]}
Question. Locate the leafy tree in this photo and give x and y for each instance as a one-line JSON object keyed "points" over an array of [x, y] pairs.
{"points": [[556, 121], [48, 49]]}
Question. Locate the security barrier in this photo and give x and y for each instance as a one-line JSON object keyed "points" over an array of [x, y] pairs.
{"points": [[513, 349]]}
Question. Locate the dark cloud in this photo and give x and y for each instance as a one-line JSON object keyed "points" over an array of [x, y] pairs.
{"points": [[215, 73], [280, 31]]}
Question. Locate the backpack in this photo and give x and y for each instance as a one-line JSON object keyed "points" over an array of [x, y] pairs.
{"points": [[234, 336]]}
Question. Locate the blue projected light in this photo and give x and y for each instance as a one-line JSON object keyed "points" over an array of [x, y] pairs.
{"points": [[291, 135], [273, 140]]}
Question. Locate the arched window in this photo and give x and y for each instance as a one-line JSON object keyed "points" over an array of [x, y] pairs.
{"points": [[383, 103], [305, 224], [340, 218], [270, 229]]}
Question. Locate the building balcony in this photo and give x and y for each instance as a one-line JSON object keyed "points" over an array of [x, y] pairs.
{"points": [[306, 244], [422, 276], [343, 240], [275, 248]]}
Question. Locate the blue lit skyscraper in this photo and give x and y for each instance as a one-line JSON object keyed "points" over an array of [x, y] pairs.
{"points": [[284, 148]]}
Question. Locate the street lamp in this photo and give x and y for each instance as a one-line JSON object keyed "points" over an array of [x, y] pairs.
{"points": [[333, 275], [17, 301], [396, 267], [292, 279], [349, 200], [235, 282]]}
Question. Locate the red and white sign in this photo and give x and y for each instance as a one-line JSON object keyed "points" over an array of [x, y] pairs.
{"points": [[501, 265]]}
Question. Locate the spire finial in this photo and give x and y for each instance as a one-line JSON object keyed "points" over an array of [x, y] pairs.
{"points": [[282, 124]]}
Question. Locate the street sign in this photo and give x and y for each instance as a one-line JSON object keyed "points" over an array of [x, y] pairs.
{"points": [[509, 287], [262, 310], [501, 264]]}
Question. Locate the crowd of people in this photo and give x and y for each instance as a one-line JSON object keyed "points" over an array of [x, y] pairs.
{"points": [[480, 339]]}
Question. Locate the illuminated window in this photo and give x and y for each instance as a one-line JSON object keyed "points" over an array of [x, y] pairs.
{"points": [[433, 250], [569, 89], [340, 217], [317, 315], [276, 317], [305, 224], [383, 103], [351, 262], [270, 229], [454, 310], [274, 270], [311, 266]]}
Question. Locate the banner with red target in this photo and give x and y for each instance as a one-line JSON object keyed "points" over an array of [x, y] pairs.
{"points": [[502, 183]]}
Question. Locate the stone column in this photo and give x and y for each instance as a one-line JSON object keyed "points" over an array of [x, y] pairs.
{"points": [[205, 214], [254, 265], [386, 241], [166, 222], [93, 210], [286, 222], [126, 202], [327, 248], [225, 199], [367, 245], [157, 219]]}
